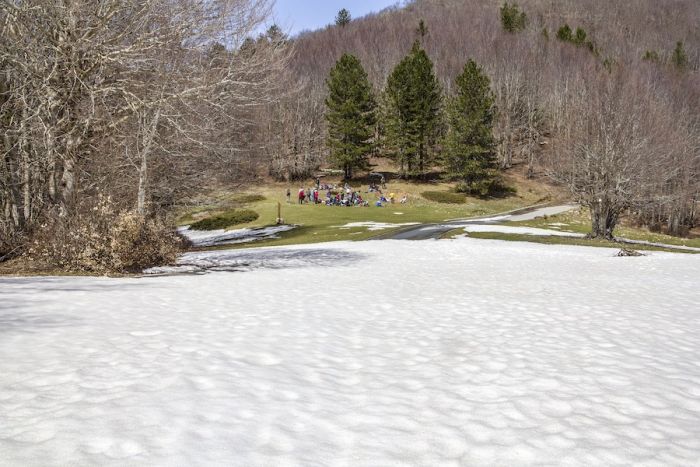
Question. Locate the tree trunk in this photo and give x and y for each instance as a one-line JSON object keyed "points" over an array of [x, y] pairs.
{"points": [[149, 137], [24, 164], [604, 219]]}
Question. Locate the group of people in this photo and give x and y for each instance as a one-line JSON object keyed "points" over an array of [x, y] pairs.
{"points": [[346, 196]]}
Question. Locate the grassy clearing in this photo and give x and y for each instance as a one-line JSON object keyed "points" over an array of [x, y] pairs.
{"points": [[216, 204], [579, 221], [553, 240], [320, 223], [446, 197], [226, 220]]}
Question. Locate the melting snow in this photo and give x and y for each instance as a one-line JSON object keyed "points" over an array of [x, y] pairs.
{"points": [[508, 229], [376, 225], [468, 352], [203, 238]]}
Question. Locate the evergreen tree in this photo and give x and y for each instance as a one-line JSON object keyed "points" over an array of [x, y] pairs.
{"points": [[343, 18], [679, 57], [422, 30], [411, 112], [274, 34], [565, 34], [651, 56], [512, 19], [351, 115], [469, 152]]}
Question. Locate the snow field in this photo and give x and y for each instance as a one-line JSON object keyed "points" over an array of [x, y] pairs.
{"points": [[463, 352]]}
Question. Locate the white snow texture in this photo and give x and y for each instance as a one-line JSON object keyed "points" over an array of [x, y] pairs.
{"points": [[203, 238], [385, 353]]}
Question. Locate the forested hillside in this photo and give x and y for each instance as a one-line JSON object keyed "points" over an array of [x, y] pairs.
{"points": [[113, 112], [573, 77]]}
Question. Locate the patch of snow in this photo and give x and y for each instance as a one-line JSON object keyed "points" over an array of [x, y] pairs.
{"points": [[510, 229], [662, 245], [471, 352], [248, 260], [372, 226], [204, 238]]}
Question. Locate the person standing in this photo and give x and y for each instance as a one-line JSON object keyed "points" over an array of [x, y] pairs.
{"points": [[289, 196], [301, 196]]}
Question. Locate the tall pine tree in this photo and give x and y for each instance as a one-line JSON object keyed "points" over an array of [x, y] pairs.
{"points": [[469, 154], [351, 115], [411, 112], [343, 18]]}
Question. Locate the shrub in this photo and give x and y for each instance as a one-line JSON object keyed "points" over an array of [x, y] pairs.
{"points": [[225, 220], [444, 197], [99, 238], [11, 242], [487, 188], [578, 38], [565, 34], [679, 58], [247, 198], [512, 19], [651, 56]]}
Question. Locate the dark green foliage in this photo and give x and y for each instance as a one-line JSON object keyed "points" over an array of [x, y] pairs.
{"points": [[274, 34], [228, 219], [351, 115], [651, 56], [343, 18], [411, 113], [608, 64], [679, 58], [422, 29], [469, 150], [578, 38], [446, 197], [512, 19], [247, 198], [565, 34]]}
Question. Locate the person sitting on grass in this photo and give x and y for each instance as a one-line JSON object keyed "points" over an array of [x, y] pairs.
{"points": [[404, 199]]}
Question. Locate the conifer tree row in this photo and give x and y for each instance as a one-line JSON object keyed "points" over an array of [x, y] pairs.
{"points": [[412, 104], [350, 115], [411, 122], [469, 151]]}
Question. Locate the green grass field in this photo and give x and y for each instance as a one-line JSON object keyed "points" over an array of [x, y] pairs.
{"points": [[320, 223]]}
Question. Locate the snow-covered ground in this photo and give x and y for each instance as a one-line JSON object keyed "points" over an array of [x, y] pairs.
{"points": [[204, 238], [373, 226], [435, 353], [513, 229]]}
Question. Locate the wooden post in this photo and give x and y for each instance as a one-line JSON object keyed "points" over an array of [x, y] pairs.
{"points": [[279, 213]]}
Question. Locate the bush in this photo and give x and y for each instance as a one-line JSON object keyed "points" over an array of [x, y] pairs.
{"points": [[11, 242], [101, 239], [512, 19], [487, 188], [247, 198], [228, 219], [444, 197]]}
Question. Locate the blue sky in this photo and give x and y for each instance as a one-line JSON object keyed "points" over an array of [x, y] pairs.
{"points": [[297, 15]]}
